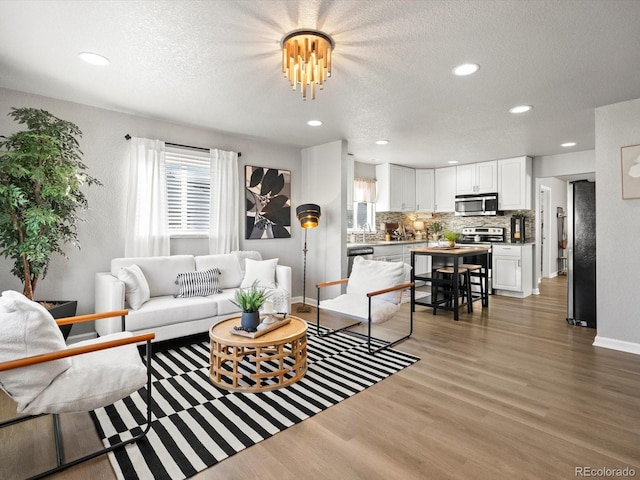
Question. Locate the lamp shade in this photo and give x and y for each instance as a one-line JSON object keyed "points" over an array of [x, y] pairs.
{"points": [[308, 214], [418, 225]]}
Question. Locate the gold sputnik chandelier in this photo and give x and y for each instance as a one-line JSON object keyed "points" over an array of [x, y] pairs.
{"points": [[306, 59]]}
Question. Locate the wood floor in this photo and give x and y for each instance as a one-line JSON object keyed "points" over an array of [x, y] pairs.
{"points": [[508, 392]]}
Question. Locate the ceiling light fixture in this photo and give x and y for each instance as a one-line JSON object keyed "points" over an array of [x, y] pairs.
{"points": [[94, 58], [520, 109], [306, 59], [452, 162], [466, 69], [382, 142], [314, 123], [568, 144]]}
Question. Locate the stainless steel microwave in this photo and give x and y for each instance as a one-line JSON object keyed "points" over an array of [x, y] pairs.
{"points": [[476, 205]]}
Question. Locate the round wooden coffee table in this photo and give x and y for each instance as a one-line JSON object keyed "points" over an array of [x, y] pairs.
{"points": [[273, 360]]}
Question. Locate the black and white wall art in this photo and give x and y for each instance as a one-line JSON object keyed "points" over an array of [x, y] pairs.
{"points": [[267, 203]]}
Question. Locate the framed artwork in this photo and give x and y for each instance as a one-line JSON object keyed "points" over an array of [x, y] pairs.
{"points": [[267, 202], [630, 164]]}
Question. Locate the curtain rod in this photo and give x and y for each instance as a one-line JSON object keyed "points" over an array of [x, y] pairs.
{"points": [[128, 137]]}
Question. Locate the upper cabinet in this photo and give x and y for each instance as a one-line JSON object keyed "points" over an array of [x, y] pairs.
{"points": [[445, 187], [425, 193], [514, 183], [396, 188], [477, 178]]}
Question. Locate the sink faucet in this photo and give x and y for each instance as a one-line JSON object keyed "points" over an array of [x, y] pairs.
{"points": [[365, 227]]}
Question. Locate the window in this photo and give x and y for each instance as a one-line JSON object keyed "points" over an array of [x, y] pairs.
{"points": [[188, 180], [361, 214]]}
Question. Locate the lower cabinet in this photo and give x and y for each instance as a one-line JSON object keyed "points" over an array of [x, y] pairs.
{"points": [[423, 262], [402, 253], [512, 270]]}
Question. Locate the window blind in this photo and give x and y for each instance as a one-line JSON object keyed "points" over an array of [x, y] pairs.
{"points": [[188, 186]]}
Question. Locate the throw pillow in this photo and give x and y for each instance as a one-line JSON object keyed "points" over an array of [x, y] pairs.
{"points": [[199, 283], [371, 275], [136, 287], [28, 329], [262, 272], [243, 255]]}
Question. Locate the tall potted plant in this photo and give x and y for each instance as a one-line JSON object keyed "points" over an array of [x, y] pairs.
{"points": [[41, 179]]}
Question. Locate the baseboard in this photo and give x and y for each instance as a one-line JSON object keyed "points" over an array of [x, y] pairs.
{"points": [[81, 337], [308, 301], [620, 345]]}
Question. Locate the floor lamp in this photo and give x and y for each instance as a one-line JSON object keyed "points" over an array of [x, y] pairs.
{"points": [[309, 216]]}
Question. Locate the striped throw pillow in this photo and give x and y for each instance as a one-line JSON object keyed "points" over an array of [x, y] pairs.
{"points": [[198, 284]]}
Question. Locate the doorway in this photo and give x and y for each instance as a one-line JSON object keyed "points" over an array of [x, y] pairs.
{"points": [[544, 215]]}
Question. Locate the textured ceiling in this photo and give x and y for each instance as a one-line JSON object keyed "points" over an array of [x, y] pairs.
{"points": [[216, 64]]}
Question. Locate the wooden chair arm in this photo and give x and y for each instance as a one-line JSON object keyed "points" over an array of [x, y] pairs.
{"points": [[390, 289], [91, 316], [47, 357], [329, 284]]}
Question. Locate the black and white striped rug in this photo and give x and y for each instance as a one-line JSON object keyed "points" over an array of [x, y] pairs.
{"points": [[196, 425]]}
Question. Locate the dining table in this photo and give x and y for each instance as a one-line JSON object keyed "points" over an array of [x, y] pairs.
{"points": [[452, 256]]}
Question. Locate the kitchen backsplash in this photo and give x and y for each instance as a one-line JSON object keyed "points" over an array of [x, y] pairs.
{"points": [[455, 224]]}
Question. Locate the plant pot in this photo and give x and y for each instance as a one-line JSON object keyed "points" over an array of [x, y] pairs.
{"points": [[61, 309], [250, 321]]}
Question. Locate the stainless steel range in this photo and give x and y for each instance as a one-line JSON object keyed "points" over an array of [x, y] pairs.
{"points": [[482, 235], [485, 236]]}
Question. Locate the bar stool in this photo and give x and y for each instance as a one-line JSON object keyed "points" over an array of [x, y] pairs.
{"points": [[477, 276], [444, 277]]}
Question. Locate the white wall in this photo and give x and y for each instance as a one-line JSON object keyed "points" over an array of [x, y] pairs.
{"points": [[617, 232], [324, 171], [564, 164], [105, 153]]}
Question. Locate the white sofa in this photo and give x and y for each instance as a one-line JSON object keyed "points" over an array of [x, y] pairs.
{"points": [[162, 309]]}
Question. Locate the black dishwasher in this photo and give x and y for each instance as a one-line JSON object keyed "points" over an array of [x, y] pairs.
{"points": [[353, 252]]}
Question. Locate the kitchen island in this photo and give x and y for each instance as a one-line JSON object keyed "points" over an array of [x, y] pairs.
{"points": [[452, 255]]}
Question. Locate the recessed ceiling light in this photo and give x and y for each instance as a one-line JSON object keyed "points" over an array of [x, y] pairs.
{"points": [[466, 69], [382, 142], [520, 109], [314, 123], [568, 144], [452, 162], [94, 58]]}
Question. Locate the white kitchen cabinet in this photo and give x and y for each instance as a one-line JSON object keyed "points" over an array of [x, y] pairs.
{"points": [[396, 188], [512, 270], [388, 253], [514, 183], [425, 192], [477, 178], [423, 262], [445, 188]]}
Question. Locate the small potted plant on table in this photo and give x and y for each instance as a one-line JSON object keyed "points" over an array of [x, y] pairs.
{"points": [[451, 238], [250, 300]]}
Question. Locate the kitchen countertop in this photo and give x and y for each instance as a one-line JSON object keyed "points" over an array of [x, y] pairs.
{"points": [[379, 243]]}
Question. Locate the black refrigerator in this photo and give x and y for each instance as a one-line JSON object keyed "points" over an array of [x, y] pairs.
{"points": [[581, 253]]}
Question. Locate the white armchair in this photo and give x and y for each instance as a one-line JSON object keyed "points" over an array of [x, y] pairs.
{"points": [[373, 295], [43, 376]]}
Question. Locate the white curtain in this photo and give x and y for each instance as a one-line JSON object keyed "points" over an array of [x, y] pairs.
{"points": [[147, 228], [364, 190], [224, 220]]}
